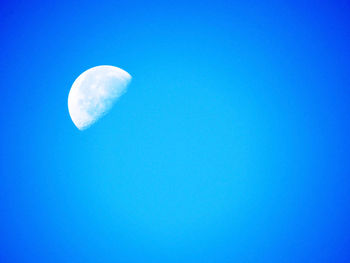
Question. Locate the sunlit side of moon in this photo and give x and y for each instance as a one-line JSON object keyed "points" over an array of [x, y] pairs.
{"points": [[94, 92]]}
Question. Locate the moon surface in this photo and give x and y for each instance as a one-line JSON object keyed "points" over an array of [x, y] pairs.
{"points": [[94, 93]]}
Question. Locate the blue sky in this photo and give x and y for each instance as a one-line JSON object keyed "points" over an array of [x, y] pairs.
{"points": [[231, 144]]}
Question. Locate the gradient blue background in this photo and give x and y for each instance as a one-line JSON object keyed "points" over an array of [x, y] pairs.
{"points": [[231, 145]]}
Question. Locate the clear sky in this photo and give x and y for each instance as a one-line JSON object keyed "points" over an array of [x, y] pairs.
{"points": [[231, 144]]}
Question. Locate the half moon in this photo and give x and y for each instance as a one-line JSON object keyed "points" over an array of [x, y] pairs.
{"points": [[94, 92]]}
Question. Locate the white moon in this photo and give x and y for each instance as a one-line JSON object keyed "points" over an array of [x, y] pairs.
{"points": [[94, 92]]}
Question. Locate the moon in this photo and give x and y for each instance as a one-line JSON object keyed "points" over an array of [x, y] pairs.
{"points": [[94, 93]]}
